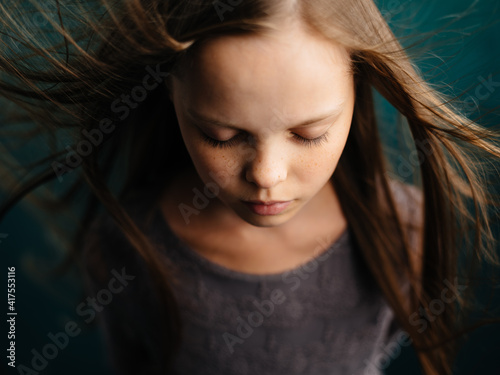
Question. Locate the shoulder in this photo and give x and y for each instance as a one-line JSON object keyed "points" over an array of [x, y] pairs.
{"points": [[112, 265], [409, 202], [104, 244], [138, 206], [101, 244]]}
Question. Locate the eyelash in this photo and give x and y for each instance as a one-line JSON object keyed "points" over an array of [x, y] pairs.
{"points": [[219, 144], [231, 142]]}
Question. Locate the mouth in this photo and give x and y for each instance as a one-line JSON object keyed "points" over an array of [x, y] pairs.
{"points": [[267, 208]]}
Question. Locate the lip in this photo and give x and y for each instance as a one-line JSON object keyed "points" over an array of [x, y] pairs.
{"points": [[266, 203], [267, 208]]}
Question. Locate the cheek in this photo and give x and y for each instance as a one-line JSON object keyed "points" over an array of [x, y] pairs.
{"points": [[226, 162], [214, 165], [206, 159], [220, 162], [318, 164]]}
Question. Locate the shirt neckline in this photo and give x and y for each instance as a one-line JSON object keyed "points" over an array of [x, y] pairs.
{"points": [[221, 270]]}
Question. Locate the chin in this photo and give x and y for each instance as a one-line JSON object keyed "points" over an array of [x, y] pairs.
{"points": [[266, 221]]}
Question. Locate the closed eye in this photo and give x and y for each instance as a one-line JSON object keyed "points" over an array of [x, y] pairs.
{"points": [[221, 144], [312, 141], [234, 140]]}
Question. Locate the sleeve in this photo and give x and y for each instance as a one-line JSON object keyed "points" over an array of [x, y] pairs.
{"points": [[119, 299]]}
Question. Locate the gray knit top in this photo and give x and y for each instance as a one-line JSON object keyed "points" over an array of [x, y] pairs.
{"points": [[324, 317]]}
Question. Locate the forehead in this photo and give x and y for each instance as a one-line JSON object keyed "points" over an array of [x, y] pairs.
{"points": [[246, 78]]}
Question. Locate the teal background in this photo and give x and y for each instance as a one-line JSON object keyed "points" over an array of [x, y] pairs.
{"points": [[46, 304]]}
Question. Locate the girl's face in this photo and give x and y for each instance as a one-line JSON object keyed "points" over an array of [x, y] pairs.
{"points": [[265, 118]]}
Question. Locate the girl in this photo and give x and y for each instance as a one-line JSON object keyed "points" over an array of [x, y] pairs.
{"points": [[259, 228]]}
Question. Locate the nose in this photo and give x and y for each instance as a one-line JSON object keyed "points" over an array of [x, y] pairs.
{"points": [[268, 168]]}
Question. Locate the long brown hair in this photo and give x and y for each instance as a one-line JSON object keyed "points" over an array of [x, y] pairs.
{"points": [[71, 78]]}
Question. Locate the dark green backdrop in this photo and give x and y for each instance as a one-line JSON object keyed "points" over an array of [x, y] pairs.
{"points": [[467, 55]]}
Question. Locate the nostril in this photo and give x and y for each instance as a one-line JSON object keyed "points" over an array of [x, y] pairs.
{"points": [[264, 176]]}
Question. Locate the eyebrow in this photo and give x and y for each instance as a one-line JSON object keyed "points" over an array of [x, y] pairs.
{"points": [[335, 112]]}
